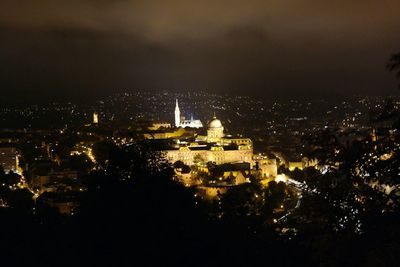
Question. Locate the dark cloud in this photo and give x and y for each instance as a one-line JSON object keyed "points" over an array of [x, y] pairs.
{"points": [[262, 47]]}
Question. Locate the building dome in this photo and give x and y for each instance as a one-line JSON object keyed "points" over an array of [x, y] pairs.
{"points": [[215, 123]]}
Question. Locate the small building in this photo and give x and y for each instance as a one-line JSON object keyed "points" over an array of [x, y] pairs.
{"points": [[159, 125], [170, 133], [8, 157], [267, 167], [302, 163], [53, 180]]}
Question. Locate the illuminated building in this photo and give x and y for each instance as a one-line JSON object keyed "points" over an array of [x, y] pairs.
{"points": [[179, 122], [268, 167], [374, 136], [177, 115], [214, 147], [159, 125], [170, 133], [296, 165], [302, 163], [215, 130], [95, 118]]}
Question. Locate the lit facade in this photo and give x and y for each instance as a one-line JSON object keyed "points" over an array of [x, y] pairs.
{"points": [[95, 118], [179, 122], [177, 115], [212, 148]]}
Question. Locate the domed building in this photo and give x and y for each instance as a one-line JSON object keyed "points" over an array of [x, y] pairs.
{"points": [[234, 154], [215, 131], [215, 123], [213, 147]]}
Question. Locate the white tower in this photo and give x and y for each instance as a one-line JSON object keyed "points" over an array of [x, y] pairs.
{"points": [[177, 115], [95, 118]]}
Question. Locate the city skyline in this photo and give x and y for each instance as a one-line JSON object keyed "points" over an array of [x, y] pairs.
{"points": [[200, 133]]}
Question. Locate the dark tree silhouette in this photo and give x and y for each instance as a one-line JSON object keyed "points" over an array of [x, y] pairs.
{"points": [[394, 65]]}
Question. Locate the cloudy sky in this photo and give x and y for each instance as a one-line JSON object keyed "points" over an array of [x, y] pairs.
{"points": [[262, 47]]}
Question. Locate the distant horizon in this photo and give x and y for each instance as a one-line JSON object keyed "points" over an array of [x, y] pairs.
{"points": [[33, 97]]}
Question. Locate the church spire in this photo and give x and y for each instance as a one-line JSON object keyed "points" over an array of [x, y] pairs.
{"points": [[177, 115]]}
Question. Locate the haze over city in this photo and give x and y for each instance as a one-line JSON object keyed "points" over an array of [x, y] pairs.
{"points": [[264, 48]]}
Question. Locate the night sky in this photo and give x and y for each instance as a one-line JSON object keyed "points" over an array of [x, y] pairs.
{"points": [[260, 47]]}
